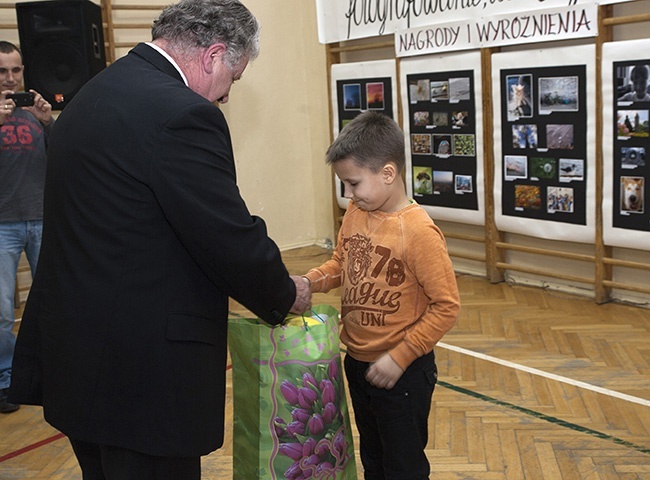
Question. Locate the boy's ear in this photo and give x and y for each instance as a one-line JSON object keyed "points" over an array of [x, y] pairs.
{"points": [[389, 172]]}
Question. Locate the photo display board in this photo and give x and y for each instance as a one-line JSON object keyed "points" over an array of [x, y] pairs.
{"points": [[443, 128], [544, 143], [357, 87], [626, 144], [545, 162]]}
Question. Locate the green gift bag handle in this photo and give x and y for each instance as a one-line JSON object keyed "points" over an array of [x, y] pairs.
{"points": [[304, 322]]}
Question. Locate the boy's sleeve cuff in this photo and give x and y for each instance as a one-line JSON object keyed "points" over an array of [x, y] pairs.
{"points": [[403, 355]]}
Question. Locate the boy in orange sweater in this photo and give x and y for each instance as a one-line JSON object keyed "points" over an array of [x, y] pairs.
{"points": [[398, 298]]}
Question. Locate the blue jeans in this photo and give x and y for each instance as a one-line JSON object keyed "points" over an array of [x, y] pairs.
{"points": [[14, 238], [393, 424]]}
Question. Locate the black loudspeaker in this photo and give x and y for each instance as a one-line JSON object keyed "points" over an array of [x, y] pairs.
{"points": [[62, 42]]}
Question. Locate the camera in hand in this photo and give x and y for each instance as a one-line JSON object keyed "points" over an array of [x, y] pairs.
{"points": [[22, 99]]}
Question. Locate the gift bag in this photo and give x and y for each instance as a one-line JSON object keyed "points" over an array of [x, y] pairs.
{"points": [[291, 418]]}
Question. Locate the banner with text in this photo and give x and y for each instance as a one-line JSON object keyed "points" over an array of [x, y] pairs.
{"points": [[341, 20], [549, 24]]}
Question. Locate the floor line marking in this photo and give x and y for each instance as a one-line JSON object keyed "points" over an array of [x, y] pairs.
{"points": [[547, 418], [552, 376], [31, 447]]}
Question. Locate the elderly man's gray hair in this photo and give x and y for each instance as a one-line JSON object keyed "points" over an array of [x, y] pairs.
{"points": [[191, 24]]}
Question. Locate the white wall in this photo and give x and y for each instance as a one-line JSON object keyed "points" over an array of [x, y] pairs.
{"points": [[279, 117]]}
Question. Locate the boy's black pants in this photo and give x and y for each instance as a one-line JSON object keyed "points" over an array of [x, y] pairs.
{"points": [[393, 424]]}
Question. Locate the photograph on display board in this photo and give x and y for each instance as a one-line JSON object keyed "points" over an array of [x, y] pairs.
{"points": [[559, 137], [631, 138], [520, 94], [527, 197], [419, 90], [516, 167], [571, 169], [543, 168], [420, 144], [375, 95], [632, 123], [558, 94], [422, 180], [459, 89], [632, 194], [544, 143], [442, 126], [632, 157], [464, 145], [352, 96], [632, 83], [459, 119], [443, 182], [355, 95], [439, 119], [560, 199], [421, 119], [524, 136], [442, 145], [439, 91], [464, 184]]}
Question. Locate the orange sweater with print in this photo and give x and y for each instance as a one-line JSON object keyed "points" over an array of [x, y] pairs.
{"points": [[398, 288]]}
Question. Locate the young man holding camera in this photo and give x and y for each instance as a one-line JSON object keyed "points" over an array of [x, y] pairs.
{"points": [[25, 122]]}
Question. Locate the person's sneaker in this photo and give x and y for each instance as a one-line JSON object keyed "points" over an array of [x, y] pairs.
{"points": [[5, 406]]}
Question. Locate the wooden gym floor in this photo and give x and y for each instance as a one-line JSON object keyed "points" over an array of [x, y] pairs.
{"points": [[533, 385]]}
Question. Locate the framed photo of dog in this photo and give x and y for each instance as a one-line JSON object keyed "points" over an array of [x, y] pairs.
{"points": [[626, 143], [443, 128]]}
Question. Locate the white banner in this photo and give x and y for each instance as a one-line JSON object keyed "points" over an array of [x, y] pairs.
{"points": [[341, 20], [549, 24]]}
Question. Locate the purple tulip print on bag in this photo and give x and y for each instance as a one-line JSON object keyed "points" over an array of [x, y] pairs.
{"points": [[291, 418]]}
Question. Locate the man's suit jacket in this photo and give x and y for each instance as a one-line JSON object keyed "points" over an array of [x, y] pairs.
{"points": [[123, 339]]}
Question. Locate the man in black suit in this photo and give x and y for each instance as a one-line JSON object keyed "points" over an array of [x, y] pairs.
{"points": [[123, 339]]}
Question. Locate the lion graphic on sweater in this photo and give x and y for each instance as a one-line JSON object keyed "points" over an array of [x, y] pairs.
{"points": [[359, 250]]}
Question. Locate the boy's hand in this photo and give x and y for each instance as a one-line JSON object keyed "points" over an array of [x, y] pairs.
{"points": [[384, 373]]}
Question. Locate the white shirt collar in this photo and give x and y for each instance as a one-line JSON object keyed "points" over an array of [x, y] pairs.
{"points": [[171, 60]]}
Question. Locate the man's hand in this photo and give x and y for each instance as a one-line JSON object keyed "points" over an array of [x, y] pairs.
{"points": [[384, 373], [42, 109], [7, 105], [303, 295]]}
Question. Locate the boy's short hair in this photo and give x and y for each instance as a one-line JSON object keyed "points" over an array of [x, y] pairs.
{"points": [[371, 139]]}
